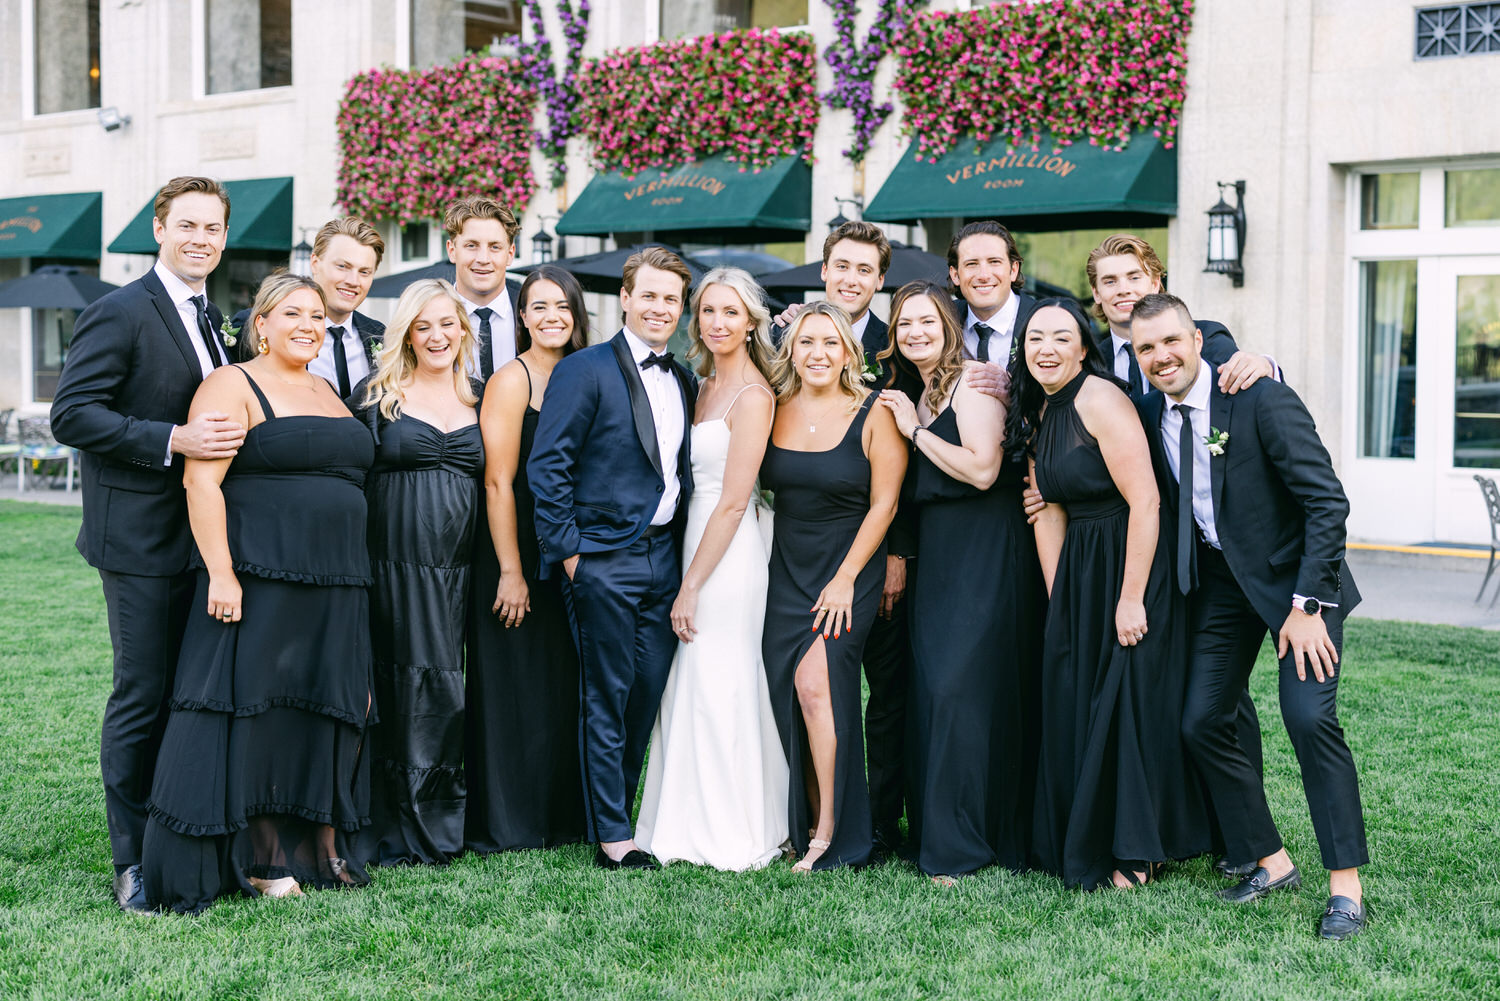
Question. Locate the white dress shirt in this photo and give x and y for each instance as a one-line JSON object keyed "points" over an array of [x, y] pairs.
{"points": [[1171, 430], [502, 331], [669, 415], [859, 326], [1002, 323], [1121, 362], [182, 298], [354, 354]]}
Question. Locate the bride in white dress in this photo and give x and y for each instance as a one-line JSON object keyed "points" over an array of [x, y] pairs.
{"points": [[716, 779]]}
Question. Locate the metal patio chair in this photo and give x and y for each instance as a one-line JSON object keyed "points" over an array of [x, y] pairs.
{"points": [[1492, 502]]}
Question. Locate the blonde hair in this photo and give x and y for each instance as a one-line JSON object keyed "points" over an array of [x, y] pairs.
{"points": [[398, 359], [353, 227], [276, 287], [788, 383], [758, 338]]}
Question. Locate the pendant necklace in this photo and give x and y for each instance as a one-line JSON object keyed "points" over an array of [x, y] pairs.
{"points": [[812, 425]]}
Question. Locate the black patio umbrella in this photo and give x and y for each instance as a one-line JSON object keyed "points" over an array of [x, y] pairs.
{"points": [[908, 264], [53, 286], [601, 272], [391, 286]]}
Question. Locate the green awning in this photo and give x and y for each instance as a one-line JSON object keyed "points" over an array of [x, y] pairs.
{"points": [[260, 218], [68, 226], [713, 194], [1078, 187]]}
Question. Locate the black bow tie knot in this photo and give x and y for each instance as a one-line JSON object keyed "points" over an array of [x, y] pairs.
{"points": [[662, 361]]}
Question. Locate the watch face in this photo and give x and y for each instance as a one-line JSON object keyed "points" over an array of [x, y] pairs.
{"points": [[1311, 606]]}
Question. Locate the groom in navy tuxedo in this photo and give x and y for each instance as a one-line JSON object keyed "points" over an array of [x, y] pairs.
{"points": [[610, 471]]}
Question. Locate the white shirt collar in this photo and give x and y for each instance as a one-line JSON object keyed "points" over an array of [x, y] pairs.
{"points": [[639, 349], [1202, 389], [1116, 342], [178, 289], [1003, 320], [860, 325], [500, 304]]}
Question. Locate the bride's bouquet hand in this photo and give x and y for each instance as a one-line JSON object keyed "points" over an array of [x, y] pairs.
{"points": [[683, 611]]}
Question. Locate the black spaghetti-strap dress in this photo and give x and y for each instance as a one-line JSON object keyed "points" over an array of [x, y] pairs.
{"points": [[977, 603], [1113, 786], [521, 729], [821, 500], [424, 493], [263, 750]]}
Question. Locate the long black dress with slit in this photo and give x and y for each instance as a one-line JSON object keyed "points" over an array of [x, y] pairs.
{"points": [[521, 734], [822, 498], [1113, 786], [976, 601], [424, 491], [262, 770]]}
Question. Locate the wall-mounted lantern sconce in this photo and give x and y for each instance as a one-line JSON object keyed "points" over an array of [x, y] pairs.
{"points": [[838, 220], [1226, 235], [301, 262], [541, 244]]}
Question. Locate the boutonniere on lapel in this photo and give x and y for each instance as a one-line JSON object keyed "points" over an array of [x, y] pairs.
{"points": [[229, 333], [373, 347], [871, 370], [1216, 441]]}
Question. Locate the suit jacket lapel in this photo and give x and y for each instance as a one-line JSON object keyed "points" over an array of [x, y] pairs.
{"points": [[640, 406], [1220, 413], [689, 391], [172, 321]]}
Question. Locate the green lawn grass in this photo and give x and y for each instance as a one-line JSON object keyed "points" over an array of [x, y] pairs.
{"points": [[1419, 704]]}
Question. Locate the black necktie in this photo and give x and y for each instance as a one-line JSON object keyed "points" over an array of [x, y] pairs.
{"points": [[206, 331], [340, 361], [486, 358], [1187, 550], [1136, 389], [662, 361], [983, 332]]}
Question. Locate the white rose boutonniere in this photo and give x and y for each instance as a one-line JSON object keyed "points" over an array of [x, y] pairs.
{"points": [[229, 333], [1216, 441], [374, 346], [871, 370]]}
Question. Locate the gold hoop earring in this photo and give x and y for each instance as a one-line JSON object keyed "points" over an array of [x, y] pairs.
{"points": [[264, 347]]}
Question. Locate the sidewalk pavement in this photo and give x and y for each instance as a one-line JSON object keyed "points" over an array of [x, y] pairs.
{"points": [[1406, 586]]}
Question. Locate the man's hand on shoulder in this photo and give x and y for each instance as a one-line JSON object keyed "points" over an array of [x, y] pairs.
{"points": [[786, 316], [1244, 370], [991, 379], [208, 436]]}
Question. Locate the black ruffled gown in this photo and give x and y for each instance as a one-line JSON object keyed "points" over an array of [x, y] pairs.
{"points": [[263, 746], [521, 736], [976, 602], [424, 491], [1113, 787], [821, 500]]}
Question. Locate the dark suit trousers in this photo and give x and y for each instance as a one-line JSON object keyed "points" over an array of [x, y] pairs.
{"points": [[146, 618], [1226, 638], [621, 604], [887, 661]]}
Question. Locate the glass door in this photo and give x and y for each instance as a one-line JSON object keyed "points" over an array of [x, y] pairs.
{"points": [[1466, 329]]}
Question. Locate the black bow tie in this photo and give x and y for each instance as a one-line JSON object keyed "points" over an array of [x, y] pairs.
{"points": [[662, 361]]}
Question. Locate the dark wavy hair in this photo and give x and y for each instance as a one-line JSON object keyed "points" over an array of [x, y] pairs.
{"points": [[1027, 395], [571, 290]]}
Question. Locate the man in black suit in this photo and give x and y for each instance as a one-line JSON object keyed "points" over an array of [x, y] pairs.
{"points": [[612, 474], [856, 256], [481, 244], [345, 254], [136, 359], [1245, 476], [1121, 270]]}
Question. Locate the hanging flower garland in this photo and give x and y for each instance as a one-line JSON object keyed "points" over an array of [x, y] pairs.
{"points": [[415, 140], [1095, 70], [750, 95], [558, 94], [854, 66]]}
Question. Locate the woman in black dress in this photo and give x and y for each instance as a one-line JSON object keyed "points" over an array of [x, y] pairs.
{"points": [[261, 776], [975, 599], [834, 463], [525, 784], [424, 495], [1114, 795]]}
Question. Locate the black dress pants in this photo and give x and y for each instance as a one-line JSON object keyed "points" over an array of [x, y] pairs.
{"points": [[147, 616], [887, 661], [1227, 634]]}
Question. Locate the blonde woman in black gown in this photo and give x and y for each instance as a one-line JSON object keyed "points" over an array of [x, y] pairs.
{"points": [[521, 733], [261, 778], [834, 463]]}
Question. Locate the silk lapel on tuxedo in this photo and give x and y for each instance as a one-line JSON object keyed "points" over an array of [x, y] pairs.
{"points": [[1220, 414], [173, 322], [640, 406], [689, 404]]}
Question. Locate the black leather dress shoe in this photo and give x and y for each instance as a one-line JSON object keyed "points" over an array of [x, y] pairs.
{"points": [[130, 891], [633, 859], [1224, 868], [1342, 918], [1258, 884]]}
